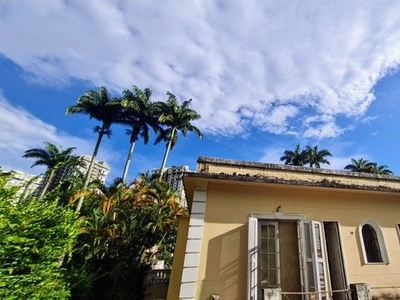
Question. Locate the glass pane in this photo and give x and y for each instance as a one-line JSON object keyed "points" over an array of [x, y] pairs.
{"points": [[272, 261], [265, 230], [271, 232], [272, 278], [264, 246], [264, 262], [264, 278], [310, 276], [271, 244]]}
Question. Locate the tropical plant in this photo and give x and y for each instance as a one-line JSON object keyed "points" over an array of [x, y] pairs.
{"points": [[360, 165], [363, 165], [297, 157], [53, 158], [382, 169], [175, 118], [315, 157], [122, 225], [140, 114], [36, 239], [102, 107]]}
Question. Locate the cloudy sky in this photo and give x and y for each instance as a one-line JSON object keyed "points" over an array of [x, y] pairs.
{"points": [[264, 75]]}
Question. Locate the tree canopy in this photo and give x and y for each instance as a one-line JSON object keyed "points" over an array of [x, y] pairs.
{"points": [[310, 155], [175, 118], [366, 166]]}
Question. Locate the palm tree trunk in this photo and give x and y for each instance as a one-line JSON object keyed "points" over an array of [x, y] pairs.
{"points": [[128, 161], [166, 155], [90, 169], [46, 185]]}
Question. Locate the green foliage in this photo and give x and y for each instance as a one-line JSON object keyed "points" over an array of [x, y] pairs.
{"points": [[125, 229], [54, 159], [310, 155], [36, 237], [366, 166]]}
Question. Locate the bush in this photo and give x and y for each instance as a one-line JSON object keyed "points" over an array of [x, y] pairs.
{"points": [[36, 237]]}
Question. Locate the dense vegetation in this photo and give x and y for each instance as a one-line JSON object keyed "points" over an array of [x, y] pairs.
{"points": [[79, 239]]}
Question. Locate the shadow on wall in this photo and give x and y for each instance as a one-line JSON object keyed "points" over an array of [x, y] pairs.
{"points": [[226, 274]]}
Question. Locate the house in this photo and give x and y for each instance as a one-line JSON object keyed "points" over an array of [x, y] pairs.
{"points": [[268, 231]]}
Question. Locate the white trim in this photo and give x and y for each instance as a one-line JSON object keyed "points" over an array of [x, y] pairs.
{"points": [[381, 242], [398, 229], [193, 246], [278, 216], [252, 259]]}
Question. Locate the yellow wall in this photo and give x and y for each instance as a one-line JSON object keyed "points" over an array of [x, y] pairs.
{"points": [[223, 259], [177, 263]]}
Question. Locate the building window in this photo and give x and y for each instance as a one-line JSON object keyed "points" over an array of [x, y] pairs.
{"points": [[269, 255], [373, 245]]}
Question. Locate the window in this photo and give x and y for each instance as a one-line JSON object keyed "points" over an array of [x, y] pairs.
{"points": [[269, 265], [372, 242], [268, 256]]}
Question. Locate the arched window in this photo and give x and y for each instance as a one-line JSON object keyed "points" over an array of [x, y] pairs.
{"points": [[373, 244]]}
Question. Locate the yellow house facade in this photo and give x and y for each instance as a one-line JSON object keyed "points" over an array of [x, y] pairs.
{"points": [[267, 231]]}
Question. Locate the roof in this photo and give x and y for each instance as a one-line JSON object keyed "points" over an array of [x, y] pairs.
{"points": [[211, 169]]}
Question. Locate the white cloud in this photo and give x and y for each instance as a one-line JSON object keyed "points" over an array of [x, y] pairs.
{"points": [[21, 130], [230, 57], [368, 119]]}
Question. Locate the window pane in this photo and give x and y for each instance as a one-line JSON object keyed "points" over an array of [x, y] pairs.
{"points": [[268, 256], [371, 244]]}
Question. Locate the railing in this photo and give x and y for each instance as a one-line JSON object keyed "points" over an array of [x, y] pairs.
{"points": [[159, 275], [156, 284]]}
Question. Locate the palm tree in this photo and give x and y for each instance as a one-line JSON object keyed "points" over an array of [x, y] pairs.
{"points": [[382, 169], [53, 158], [176, 118], [361, 165], [315, 157], [100, 106], [297, 157], [140, 114]]}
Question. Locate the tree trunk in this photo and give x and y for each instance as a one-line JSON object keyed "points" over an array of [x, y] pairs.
{"points": [[128, 161], [166, 154], [46, 184], [90, 169]]}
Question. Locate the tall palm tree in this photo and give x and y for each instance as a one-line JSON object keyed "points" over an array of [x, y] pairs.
{"points": [[175, 118], [140, 114], [297, 157], [361, 165], [53, 158], [100, 106], [315, 157]]}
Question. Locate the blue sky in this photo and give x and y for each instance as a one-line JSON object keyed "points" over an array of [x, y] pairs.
{"points": [[264, 75]]}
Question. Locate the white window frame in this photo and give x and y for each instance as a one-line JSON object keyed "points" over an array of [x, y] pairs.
{"points": [[381, 243], [314, 261], [398, 229], [317, 261]]}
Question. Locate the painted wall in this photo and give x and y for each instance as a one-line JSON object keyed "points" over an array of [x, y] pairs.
{"points": [[223, 255], [177, 263]]}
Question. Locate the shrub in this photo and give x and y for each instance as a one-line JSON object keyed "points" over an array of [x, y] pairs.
{"points": [[36, 237]]}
